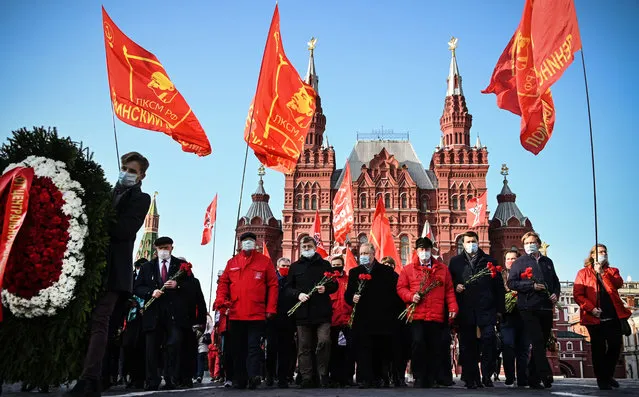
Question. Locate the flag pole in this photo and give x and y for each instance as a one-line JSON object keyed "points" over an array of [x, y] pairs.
{"points": [[115, 136], [592, 156], [212, 266]]}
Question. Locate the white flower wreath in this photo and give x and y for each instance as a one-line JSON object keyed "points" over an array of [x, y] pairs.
{"points": [[48, 301]]}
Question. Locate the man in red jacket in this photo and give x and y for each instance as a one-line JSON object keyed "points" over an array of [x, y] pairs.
{"points": [[428, 318], [341, 365], [249, 282]]}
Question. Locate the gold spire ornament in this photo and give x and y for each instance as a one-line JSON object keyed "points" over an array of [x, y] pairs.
{"points": [[452, 44], [311, 44]]}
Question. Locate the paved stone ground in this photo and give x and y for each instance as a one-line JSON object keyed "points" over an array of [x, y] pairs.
{"points": [[561, 388]]}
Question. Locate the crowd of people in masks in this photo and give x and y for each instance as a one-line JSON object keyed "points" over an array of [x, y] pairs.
{"points": [[377, 325], [366, 327]]}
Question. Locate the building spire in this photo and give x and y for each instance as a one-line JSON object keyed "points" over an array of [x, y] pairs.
{"points": [[478, 146], [311, 76], [454, 78]]}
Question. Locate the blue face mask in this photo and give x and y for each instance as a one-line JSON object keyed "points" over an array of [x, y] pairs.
{"points": [[364, 260], [531, 248], [127, 179]]}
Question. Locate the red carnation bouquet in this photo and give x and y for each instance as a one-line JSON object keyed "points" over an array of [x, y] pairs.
{"points": [[424, 288], [490, 270], [185, 269], [363, 278], [528, 275], [328, 276]]}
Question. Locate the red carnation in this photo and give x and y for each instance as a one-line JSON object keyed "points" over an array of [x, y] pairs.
{"points": [[499, 269], [336, 273]]}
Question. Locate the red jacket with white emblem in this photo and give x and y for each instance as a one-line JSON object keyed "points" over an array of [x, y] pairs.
{"points": [[248, 287], [431, 307], [341, 310]]}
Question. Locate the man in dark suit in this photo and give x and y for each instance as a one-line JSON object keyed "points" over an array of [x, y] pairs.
{"points": [[130, 205], [377, 309], [196, 318], [164, 320], [480, 305]]}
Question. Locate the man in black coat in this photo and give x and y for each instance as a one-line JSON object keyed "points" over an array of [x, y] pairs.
{"points": [[377, 310], [165, 319], [130, 205], [313, 317], [480, 305], [196, 318]]}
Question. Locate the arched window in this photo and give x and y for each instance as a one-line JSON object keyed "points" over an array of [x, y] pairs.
{"points": [[299, 202], [460, 245], [404, 201], [462, 204], [568, 346], [387, 200], [314, 203], [305, 202], [404, 249], [455, 203], [362, 201]]}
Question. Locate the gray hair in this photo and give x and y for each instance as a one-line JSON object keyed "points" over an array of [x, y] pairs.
{"points": [[370, 246], [279, 261]]}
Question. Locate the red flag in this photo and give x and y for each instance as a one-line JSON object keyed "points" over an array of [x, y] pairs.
{"points": [[143, 95], [209, 221], [343, 208], [539, 52], [282, 109], [427, 231], [265, 250], [351, 263], [381, 236], [476, 210], [317, 235]]}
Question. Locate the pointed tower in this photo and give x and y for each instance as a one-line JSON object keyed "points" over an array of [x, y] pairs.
{"points": [[151, 226], [315, 136], [459, 168], [508, 223], [260, 220], [308, 188]]}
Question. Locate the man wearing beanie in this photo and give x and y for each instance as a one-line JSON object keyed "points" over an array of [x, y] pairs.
{"points": [[429, 316], [250, 284]]}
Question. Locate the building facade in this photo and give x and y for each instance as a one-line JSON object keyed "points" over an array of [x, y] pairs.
{"points": [[387, 167]]}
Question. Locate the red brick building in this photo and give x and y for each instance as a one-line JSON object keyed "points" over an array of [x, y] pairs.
{"points": [[387, 166]]}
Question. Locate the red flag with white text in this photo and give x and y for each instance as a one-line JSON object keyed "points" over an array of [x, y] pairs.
{"points": [[539, 52], [476, 210], [343, 208], [209, 221]]}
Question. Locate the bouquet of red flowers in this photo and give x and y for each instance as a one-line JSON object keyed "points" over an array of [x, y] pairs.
{"points": [[363, 278], [328, 276], [185, 269], [528, 275], [490, 270], [423, 290]]}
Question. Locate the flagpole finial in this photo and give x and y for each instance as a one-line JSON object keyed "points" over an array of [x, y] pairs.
{"points": [[155, 194], [504, 170], [261, 171]]}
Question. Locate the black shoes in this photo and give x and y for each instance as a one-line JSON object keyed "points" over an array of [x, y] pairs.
{"points": [[254, 382], [613, 383], [548, 382], [86, 388], [487, 382]]}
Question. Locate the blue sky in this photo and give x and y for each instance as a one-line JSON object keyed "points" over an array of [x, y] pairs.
{"points": [[379, 63]]}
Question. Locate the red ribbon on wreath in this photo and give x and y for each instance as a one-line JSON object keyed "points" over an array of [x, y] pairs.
{"points": [[18, 182]]}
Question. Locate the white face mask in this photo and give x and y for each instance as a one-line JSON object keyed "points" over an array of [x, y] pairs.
{"points": [[248, 245], [531, 248], [471, 248], [127, 179], [424, 255], [308, 253], [164, 255], [603, 258]]}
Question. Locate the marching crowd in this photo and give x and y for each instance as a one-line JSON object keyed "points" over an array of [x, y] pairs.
{"points": [[365, 327]]}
